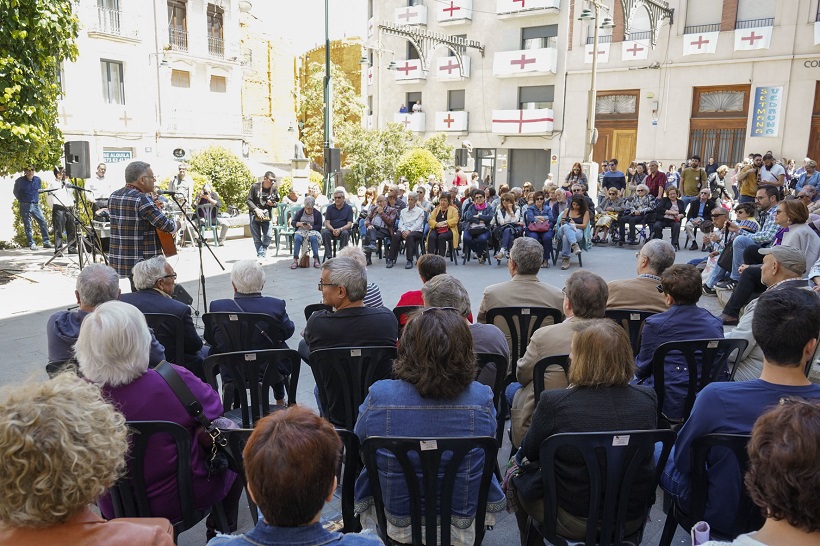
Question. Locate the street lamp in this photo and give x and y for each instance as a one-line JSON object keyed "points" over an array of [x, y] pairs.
{"points": [[593, 15]]}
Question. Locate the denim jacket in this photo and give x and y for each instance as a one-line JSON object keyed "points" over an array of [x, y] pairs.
{"points": [[395, 408], [309, 535]]}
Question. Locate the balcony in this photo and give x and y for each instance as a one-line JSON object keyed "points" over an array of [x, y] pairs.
{"points": [[409, 71], [106, 23], [522, 122], [447, 68], [451, 121], [525, 62], [178, 39], [454, 12], [701, 29], [414, 122], [216, 47], [508, 9], [412, 15]]}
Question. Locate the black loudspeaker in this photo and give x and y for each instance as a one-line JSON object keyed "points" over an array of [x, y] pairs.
{"points": [[77, 159], [333, 160], [462, 156]]}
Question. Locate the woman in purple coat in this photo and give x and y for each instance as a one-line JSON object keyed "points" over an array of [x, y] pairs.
{"points": [[112, 351]]}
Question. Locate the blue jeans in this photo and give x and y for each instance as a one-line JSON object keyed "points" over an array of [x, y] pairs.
{"points": [[507, 238], [297, 245], [261, 235], [362, 229], [569, 235], [27, 211], [673, 481], [746, 199], [545, 238], [718, 274], [688, 199], [477, 243], [741, 243]]}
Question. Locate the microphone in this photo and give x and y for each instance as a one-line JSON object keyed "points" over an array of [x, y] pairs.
{"points": [[73, 187], [48, 191], [167, 192]]}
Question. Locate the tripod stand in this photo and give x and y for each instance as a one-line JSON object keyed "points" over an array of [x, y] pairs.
{"points": [[84, 237]]}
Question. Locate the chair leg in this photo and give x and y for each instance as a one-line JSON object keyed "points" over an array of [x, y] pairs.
{"points": [[669, 528]]}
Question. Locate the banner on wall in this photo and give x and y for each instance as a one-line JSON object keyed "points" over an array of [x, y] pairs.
{"points": [[766, 111]]}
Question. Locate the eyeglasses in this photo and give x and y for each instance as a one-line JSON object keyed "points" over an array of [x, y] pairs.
{"points": [[758, 198], [323, 284], [577, 191], [610, 164], [640, 190], [171, 276], [539, 198], [804, 196], [338, 197], [613, 193]]}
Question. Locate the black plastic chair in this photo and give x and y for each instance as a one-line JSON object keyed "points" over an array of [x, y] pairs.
{"points": [[170, 331], [521, 322], [747, 515], [541, 367], [403, 312], [230, 332], [56, 367], [706, 360], [610, 487], [496, 383], [632, 321], [129, 495], [313, 307], [343, 377], [352, 462], [237, 439], [427, 460], [254, 373]]}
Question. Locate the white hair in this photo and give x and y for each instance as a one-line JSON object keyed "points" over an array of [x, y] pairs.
{"points": [[247, 277], [114, 344], [99, 283], [148, 272], [309, 202]]}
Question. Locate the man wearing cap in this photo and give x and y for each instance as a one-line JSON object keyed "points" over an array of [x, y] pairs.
{"points": [[783, 268], [27, 193]]}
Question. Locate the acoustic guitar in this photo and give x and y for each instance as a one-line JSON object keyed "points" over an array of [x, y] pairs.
{"points": [[166, 240]]}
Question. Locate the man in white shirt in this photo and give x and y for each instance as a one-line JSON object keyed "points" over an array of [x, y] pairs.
{"points": [[100, 188], [61, 202], [180, 184], [771, 173], [411, 230]]}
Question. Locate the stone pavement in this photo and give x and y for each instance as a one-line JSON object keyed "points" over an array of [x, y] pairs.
{"points": [[29, 294]]}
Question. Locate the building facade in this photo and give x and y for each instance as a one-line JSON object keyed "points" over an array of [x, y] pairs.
{"points": [[718, 78]]}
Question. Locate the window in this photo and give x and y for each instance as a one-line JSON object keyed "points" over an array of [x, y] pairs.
{"points": [[724, 140], [219, 84], [112, 82], [180, 78], [216, 43], [450, 51], [177, 25], [411, 100], [615, 104], [108, 16], [412, 52], [536, 96], [455, 100], [703, 16], [370, 105], [539, 37], [755, 13]]}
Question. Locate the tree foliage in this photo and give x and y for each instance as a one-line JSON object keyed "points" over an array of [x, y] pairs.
{"points": [[346, 106], [286, 182], [228, 175], [371, 155], [37, 35], [419, 163], [437, 145]]}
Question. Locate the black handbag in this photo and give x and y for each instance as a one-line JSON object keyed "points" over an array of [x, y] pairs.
{"points": [[725, 259]]}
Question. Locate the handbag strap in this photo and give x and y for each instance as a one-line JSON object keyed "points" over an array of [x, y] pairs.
{"points": [[189, 401]]}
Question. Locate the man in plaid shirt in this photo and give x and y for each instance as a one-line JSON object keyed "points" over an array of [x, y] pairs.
{"points": [[135, 217]]}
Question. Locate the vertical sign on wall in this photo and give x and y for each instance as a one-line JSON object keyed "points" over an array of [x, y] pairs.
{"points": [[766, 111]]}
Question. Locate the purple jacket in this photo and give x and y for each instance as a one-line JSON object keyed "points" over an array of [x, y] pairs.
{"points": [[149, 398]]}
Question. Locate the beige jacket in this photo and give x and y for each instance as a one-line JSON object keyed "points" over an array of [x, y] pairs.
{"points": [[640, 294]]}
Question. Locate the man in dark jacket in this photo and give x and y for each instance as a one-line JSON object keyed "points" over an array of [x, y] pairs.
{"points": [[262, 198], [699, 213]]}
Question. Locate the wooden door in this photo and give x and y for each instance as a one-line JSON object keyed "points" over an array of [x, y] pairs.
{"points": [[624, 145], [814, 139], [602, 151]]}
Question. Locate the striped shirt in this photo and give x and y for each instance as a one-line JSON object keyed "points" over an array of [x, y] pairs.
{"points": [[134, 215]]}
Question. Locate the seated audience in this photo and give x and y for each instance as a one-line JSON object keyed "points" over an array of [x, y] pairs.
{"points": [[785, 326], [443, 226], [641, 204], [378, 225], [410, 230], [572, 225], [477, 218], [669, 213], [509, 224], [683, 320], [782, 479], [96, 284], [307, 222], [539, 225], [338, 222], [642, 293], [609, 211], [63, 446], [373, 295], [248, 279], [433, 395], [599, 399], [290, 464], [584, 299], [154, 280], [766, 202], [428, 265], [699, 212], [112, 351]]}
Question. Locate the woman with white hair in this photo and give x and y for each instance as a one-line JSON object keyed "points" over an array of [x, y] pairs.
{"points": [[641, 204], [112, 352], [308, 225]]}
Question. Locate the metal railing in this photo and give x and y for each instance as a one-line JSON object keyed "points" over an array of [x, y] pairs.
{"points": [[178, 39], [700, 29], [641, 35], [754, 23], [110, 21], [216, 47], [601, 39]]}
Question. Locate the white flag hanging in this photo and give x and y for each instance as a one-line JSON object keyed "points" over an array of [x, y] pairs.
{"points": [[635, 50], [753, 38], [603, 53], [705, 42], [508, 122]]}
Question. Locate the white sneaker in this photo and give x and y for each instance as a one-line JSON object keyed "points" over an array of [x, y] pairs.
{"points": [[575, 248]]}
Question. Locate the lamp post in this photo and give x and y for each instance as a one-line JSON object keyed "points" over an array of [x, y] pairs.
{"points": [[588, 15], [328, 111]]}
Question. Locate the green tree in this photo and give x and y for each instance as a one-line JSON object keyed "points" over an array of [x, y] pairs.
{"points": [[37, 36], [419, 163], [437, 145], [372, 155], [228, 175], [346, 106], [286, 182]]}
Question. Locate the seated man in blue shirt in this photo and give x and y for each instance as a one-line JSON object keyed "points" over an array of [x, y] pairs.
{"points": [[338, 222], [785, 326]]}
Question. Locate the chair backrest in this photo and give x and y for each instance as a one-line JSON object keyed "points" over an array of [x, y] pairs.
{"points": [[352, 468], [170, 331], [343, 377], [541, 367], [129, 495], [747, 515], [611, 487], [491, 371], [402, 313], [232, 332], [632, 321], [206, 215], [313, 307], [706, 359], [253, 373], [437, 461], [521, 323], [281, 213], [237, 439]]}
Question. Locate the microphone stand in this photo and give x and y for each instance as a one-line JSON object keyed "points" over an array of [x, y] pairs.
{"points": [[200, 241], [91, 233], [79, 240]]}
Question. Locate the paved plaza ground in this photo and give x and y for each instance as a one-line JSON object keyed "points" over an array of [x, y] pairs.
{"points": [[29, 294]]}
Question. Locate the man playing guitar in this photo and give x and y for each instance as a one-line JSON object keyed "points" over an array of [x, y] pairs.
{"points": [[137, 223]]}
